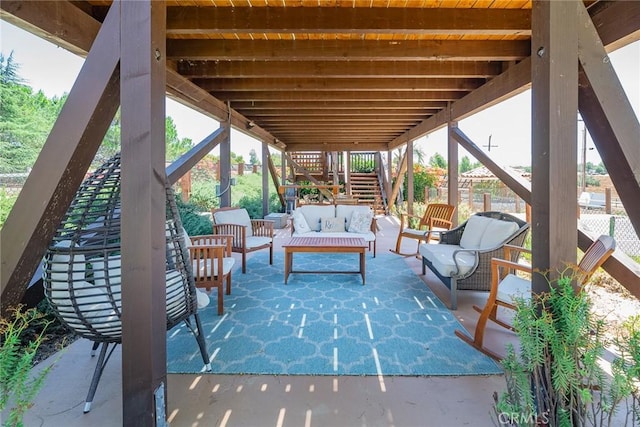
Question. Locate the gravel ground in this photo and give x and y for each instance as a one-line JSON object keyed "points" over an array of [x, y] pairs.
{"points": [[611, 301]]}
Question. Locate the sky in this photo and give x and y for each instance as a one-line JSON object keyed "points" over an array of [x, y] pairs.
{"points": [[53, 70]]}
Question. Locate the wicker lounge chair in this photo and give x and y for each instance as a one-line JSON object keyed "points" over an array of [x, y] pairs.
{"points": [[462, 259], [82, 274], [506, 286]]}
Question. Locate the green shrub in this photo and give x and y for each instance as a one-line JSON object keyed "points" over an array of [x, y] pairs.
{"points": [[194, 223], [6, 203], [555, 379], [203, 194], [18, 386]]}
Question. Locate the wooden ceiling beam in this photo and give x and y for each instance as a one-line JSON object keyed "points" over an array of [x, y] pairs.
{"points": [[323, 84], [342, 125], [247, 106], [346, 145], [211, 20], [337, 112], [387, 69], [345, 50], [272, 121], [338, 96]]}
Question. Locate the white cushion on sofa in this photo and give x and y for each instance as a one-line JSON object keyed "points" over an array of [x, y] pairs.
{"points": [[299, 222], [234, 216], [473, 231], [441, 256], [348, 210], [497, 232], [368, 236], [313, 213], [332, 224], [360, 222]]}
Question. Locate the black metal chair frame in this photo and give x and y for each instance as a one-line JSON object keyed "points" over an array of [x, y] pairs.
{"points": [[82, 269]]}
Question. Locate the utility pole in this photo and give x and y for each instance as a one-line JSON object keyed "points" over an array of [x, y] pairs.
{"points": [[488, 145], [584, 157]]}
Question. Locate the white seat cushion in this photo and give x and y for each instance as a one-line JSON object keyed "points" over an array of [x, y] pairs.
{"points": [[513, 287], [420, 233], [473, 231], [234, 216], [313, 213], [368, 236], [496, 233], [204, 268], [203, 298], [256, 241], [441, 256]]}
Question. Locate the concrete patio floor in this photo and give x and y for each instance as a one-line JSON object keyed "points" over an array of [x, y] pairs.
{"points": [[251, 400]]}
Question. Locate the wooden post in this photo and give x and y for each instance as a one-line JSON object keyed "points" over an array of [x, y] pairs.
{"points": [[452, 168], [265, 178], [486, 202], [144, 319], [410, 189], [185, 186], [554, 100], [225, 169], [607, 200], [347, 173], [240, 169], [471, 194]]}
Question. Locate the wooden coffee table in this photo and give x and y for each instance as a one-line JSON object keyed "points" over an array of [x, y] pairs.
{"points": [[324, 244]]}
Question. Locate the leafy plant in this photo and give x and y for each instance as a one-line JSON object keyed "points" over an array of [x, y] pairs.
{"points": [[18, 387], [555, 378], [194, 223], [6, 203]]}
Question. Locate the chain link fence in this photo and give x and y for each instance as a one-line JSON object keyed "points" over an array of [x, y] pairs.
{"points": [[592, 219], [617, 226]]}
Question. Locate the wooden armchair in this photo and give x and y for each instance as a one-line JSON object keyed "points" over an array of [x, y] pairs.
{"points": [[248, 234], [212, 262], [437, 217], [507, 286]]}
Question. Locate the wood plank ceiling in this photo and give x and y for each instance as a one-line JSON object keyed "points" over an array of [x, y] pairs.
{"points": [[333, 74]]}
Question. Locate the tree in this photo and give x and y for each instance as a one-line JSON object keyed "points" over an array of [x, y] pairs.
{"points": [[9, 69], [26, 119], [438, 161], [175, 146], [253, 157], [465, 165]]}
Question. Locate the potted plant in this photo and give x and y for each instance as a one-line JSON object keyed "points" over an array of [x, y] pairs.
{"points": [[555, 378]]}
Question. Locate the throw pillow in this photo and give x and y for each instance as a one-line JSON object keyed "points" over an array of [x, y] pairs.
{"points": [[300, 223], [332, 224], [360, 222]]}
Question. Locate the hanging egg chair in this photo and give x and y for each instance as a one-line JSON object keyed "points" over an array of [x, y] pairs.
{"points": [[82, 269]]}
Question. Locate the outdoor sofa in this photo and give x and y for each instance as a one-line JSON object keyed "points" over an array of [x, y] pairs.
{"points": [[335, 221]]}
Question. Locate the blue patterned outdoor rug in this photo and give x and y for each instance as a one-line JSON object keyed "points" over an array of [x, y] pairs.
{"points": [[329, 324]]}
